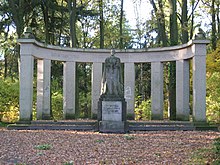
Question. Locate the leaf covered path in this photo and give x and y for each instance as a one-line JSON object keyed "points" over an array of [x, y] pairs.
{"points": [[63, 147]]}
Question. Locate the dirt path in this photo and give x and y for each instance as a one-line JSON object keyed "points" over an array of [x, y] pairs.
{"points": [[63, 147]]}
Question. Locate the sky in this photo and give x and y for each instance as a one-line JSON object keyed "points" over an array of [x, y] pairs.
{"points": [[144, 8], [141, 8]]}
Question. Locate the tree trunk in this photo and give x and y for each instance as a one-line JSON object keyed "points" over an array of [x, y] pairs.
{"points": [[45, 9], [160, 22], [6, 65], [73, 16], [194, 5], [101, 24], [85, 89], [172, 66], [61, 26], [18, 15], [17, 11], [213, 35], [52, 29], [218, 19], [192, 20], [121, 23], [173, 23], [184, 22]]}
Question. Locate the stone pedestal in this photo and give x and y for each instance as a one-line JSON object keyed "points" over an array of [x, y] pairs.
{"points": [[112, 115]]}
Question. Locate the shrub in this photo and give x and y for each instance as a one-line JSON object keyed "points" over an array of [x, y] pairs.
{"points": [[143, 110], [57, 105], [217, 146], [9, 100], [213, 98]]}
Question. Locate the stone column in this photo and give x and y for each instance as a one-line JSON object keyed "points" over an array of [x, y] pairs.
{"points": [[157, 91], [69, 89], [43, 89], [182, 90], [129, 87], [26, 87], [199, 82], [96, 86]]}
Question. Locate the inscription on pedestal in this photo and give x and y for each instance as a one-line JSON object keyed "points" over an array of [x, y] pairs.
{"points": [[112, 110]]}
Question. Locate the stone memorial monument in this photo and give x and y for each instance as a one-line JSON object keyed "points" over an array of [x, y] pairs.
{"points": [[112, 105]]}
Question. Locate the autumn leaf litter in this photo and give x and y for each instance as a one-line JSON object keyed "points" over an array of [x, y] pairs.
{"points": [[71, 147]]}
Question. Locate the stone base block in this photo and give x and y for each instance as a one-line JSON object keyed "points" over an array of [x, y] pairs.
{"points": [[46, 117], [69, 116], [156, 116], [113, 127], [182, 117]]}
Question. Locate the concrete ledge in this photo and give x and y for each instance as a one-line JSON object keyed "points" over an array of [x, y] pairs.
{"points": [[112, 126], [204, 126]]}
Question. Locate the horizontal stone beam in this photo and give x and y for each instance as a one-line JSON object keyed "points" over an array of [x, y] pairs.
{"points": [[174, 53]]}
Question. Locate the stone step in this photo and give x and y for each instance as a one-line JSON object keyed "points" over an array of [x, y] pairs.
{"points": [[53, 127], [167, 123], [51, 122], [94, 128], [207, 128], [92, 125], [161, 128], [78, 125]]}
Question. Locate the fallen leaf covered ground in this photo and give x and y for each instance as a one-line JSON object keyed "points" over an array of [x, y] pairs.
{"points": [[70, 147]]}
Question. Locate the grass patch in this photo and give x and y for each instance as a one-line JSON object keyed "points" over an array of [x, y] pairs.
{"points": [[209, 155], [3, 124], [128, 137], [69, 163], [99, 141], [43, 147], [217, 146]]}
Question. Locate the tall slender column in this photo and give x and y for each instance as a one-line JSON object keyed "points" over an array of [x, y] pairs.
{"points": [[69, 88], [157, 91], [129, 87], [43, 89], [199, 82], [26, 87], [96, 86], [182, 90]]}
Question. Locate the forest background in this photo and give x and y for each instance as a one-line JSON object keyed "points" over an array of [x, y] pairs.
{"points": [[104, 24]]}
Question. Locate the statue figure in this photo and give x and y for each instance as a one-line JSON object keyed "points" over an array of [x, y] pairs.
{"points": [[112, 78]]}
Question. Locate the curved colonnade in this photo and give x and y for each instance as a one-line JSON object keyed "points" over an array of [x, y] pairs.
{"points": [[194, 50]]}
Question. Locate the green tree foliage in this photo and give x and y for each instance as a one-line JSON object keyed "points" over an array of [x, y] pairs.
{"points": [[142, 109], [142, 91], [57, 105], [84, 75], [9, 97], [213, 98], [213, 87], [212, 7], [143, 81], [213, 61], [8, 51]]}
